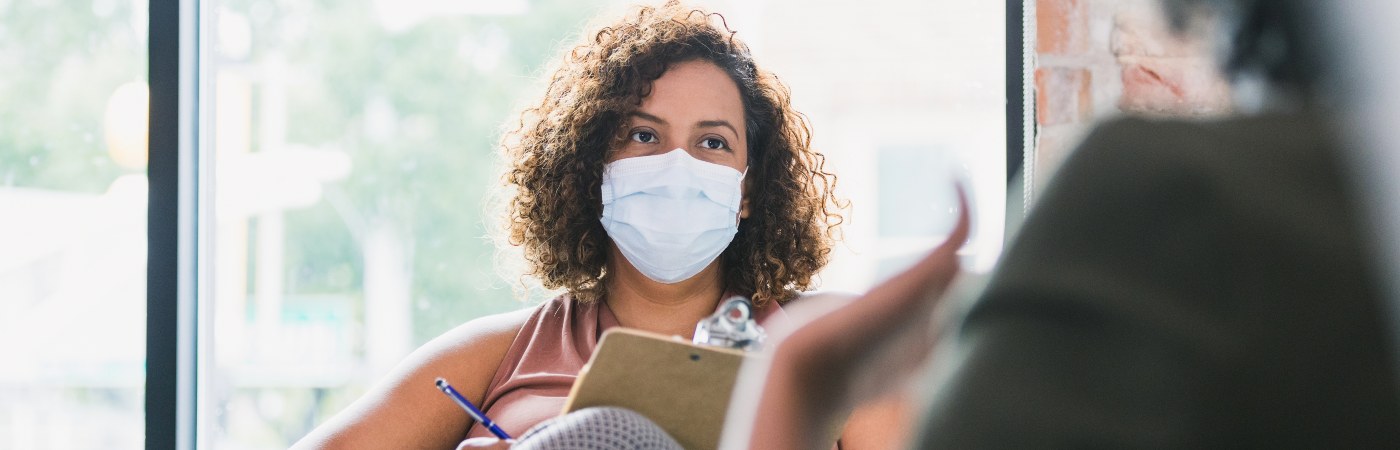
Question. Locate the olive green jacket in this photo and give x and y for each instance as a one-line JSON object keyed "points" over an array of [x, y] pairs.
{"points": [[1181, 285]]}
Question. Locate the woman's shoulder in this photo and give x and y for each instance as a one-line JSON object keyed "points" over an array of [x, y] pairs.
{"points": [[818, 300], [803, 307], [466, 355], [491, 334], [821, 296], [474, 349]]}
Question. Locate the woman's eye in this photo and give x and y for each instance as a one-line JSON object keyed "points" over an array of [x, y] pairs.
{"points": [[713, 144], [645, 137]]}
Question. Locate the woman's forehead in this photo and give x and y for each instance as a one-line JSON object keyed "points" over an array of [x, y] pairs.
{"points": [[694, 91]]}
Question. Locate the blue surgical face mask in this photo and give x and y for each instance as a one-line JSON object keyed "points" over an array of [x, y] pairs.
{"points": [[671, 214]]}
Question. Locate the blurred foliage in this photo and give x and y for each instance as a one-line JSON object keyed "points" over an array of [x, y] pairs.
{"points": [[59, 63], [420, 112]]}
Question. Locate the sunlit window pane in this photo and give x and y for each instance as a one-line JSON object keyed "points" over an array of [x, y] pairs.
{"points": [[72, 223]]}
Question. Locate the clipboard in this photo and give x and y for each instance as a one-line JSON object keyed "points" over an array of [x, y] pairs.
{"points": [[683, 387]]}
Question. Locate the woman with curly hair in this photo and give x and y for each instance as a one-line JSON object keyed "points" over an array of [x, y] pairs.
{"points": [[662, 172]]}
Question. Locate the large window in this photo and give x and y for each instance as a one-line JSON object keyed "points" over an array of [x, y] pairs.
{"points": [[327, 212], [72, 223]]}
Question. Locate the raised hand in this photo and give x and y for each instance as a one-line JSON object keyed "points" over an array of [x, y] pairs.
{"points": [[858, 351]]}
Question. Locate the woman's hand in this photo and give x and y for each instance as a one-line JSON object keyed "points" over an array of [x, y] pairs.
{"points": [[485, 443]]}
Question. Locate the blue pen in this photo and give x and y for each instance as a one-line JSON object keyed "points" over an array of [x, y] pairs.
{"points": [[471, 409]]}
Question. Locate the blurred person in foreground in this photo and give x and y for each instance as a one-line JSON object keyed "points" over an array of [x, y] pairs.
{"points": [[1180, 284]]}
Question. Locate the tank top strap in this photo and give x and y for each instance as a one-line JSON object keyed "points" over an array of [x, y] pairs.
{"points": [[769, 315], [557, 340]]}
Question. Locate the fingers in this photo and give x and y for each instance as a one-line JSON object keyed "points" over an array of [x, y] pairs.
{"points": [[932, 274], [903, 304], [963, 228], [957, 237], [858, 351]]}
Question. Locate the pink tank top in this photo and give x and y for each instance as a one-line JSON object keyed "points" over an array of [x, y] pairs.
{"points": [[538, 370]]}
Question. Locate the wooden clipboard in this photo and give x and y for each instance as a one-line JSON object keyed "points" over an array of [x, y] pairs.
{"points": [[683, 387]]}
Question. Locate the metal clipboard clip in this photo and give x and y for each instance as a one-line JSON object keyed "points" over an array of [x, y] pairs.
{"points": [[731, 327]]}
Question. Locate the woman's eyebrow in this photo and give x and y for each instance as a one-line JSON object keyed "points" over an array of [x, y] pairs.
{"points": [[648, 117], [718, 123]]}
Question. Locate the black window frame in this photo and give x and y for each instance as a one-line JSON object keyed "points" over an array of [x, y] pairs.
{"points": [[172, 261]]}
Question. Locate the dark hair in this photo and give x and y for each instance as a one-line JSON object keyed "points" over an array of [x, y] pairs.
{"points": [[1273, 39], [556, 158]]}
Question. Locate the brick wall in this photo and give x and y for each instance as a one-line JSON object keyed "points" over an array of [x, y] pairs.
{"points": [[1097, 58]]}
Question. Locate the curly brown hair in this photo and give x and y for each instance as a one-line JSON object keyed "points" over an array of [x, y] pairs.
{"points": [[557, 153]]}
